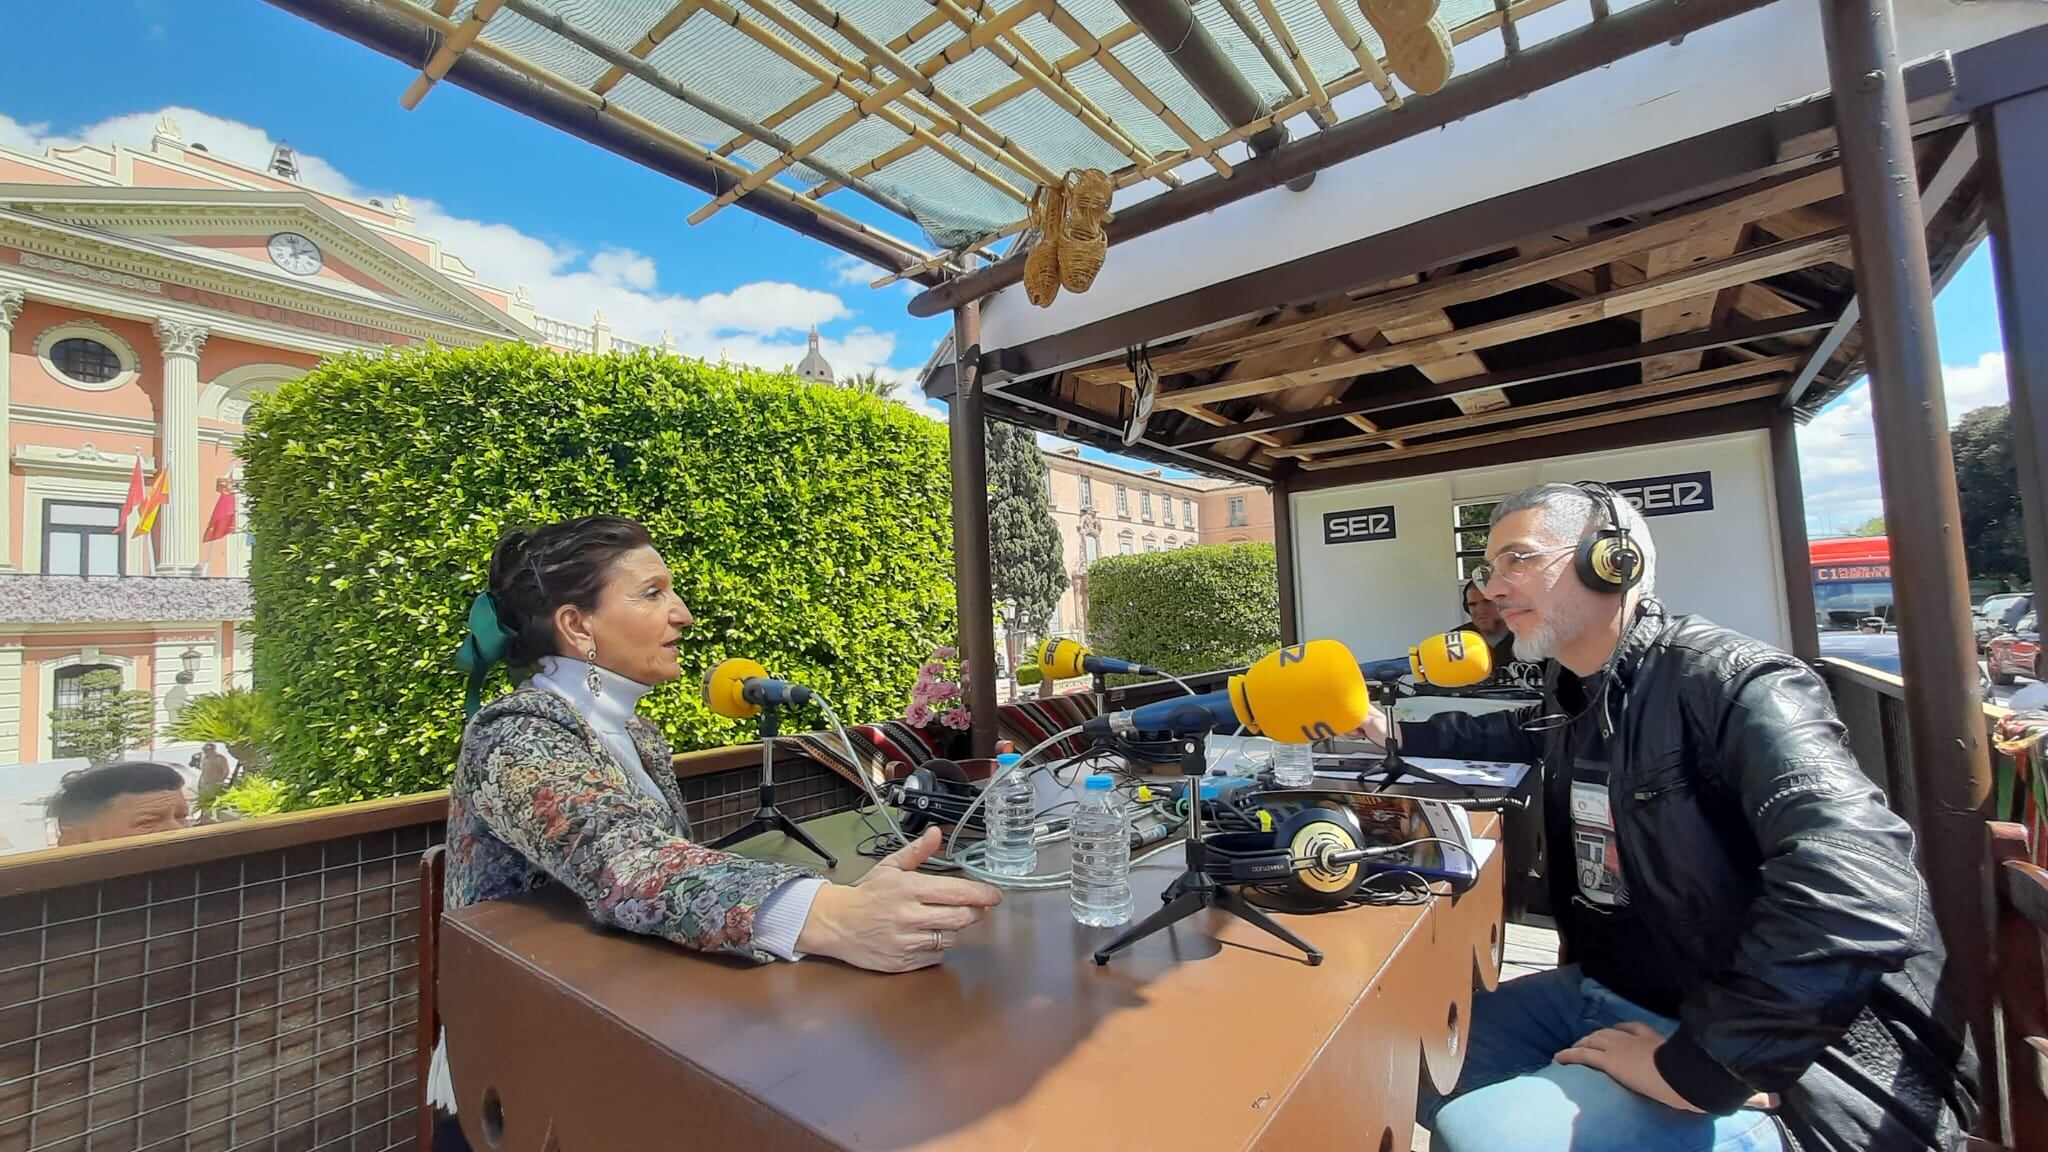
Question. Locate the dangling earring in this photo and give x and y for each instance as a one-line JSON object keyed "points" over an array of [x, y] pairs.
{"points": [[590, 678]]}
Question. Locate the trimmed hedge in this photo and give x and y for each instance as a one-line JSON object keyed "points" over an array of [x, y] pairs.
{"points": [[1187, 610], [808, 528]]}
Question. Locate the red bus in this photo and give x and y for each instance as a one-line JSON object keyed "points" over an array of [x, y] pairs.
{"points": [[1852, 579]]}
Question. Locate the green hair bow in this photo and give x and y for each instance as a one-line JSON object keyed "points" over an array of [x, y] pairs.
{"points": [[483, 648]]}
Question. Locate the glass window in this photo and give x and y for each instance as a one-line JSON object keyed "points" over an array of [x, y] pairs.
{"points": [[1087, 492], [82, 540], [1123, 501], [1166, 507], [1090, 546], [1151, 542], [1237, 516], [70, 694], [1187, 513], [1145, 505], [85, 361], [1124, 546], [1469, 522]]}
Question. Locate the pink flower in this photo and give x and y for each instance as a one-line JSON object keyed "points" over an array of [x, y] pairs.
{"points": [[945, 691], [945, 653], [956, 718], [931, 671], [919, 715]]}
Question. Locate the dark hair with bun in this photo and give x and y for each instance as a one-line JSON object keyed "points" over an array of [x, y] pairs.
{"points": [[535, 571], [84, 793]]}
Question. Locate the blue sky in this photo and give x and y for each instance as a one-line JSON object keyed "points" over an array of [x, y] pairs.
{"points": [[583, 229]]}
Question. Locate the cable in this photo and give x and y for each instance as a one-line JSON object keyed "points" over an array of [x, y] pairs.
{"points": [[853, 759], [995, 781]]}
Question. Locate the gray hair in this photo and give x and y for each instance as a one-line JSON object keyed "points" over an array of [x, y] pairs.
{"points": [[1569, 514]]}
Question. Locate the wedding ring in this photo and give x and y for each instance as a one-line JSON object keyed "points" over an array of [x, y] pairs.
{"points": [[938, 940]]}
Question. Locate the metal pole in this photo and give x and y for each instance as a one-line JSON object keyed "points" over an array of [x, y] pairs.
{"points": [[2015, 138], [1283, 554], [1798, 557], [1950, 769], [966, 412]]}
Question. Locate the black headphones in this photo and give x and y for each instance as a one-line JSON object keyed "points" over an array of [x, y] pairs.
{"points": [[935, 792], [1609, 560], [1315, 858]]}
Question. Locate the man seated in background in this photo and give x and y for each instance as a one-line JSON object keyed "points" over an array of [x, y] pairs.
{"points": [[1483, 617], [131, 798]]}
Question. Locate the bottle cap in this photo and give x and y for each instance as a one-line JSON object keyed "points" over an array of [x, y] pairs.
{"points": [[1007, 759], [1097, 783]]}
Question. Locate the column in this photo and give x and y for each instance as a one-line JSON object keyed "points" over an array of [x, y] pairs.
{"points": [[10, 308], [2016, 179], [1951, 768], [1283, 554], [178, 428], [1790, 495], [970, 529]]}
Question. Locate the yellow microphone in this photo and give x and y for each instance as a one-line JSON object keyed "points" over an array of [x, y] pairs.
{"points": [[1455, 659], [1297, 695], [740, 688], [1063, 659]]}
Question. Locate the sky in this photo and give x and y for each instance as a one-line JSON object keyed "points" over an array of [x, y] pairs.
{"points": [[584, 230]]}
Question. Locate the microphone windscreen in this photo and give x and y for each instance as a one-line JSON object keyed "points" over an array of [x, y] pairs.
{"points": [[725, 687], [1060, 658], [1455, 659], [1302, 694]]}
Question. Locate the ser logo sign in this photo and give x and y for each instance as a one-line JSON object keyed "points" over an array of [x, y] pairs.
{"points": [[1359, 525], [1669, 495]]}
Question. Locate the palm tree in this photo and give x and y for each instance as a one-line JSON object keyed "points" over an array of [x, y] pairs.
{"points": [[871, 383]]}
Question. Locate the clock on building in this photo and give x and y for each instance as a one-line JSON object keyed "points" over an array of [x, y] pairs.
{"points": [[295, 254]]}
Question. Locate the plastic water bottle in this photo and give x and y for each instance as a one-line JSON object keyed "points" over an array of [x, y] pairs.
{"points": [[1101, 840], [1294, 765], [1010, 821]]}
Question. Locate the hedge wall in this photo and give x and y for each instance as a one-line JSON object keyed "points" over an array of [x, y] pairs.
{"points": [[1187, 610], [808, 528]]}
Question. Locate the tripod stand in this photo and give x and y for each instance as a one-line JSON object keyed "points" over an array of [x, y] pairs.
{"points": [[769, 818], [1391, 768], [1195, 889]]}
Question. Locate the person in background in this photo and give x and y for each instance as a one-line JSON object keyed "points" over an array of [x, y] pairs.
{"points": [[130, 798], [213, 767], [1755, 965], [1483, 617], [560, 782]]}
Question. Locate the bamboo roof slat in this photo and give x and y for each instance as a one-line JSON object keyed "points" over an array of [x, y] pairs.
{"points": [[450, 50]]}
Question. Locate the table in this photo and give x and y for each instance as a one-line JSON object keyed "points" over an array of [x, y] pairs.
{"points": [[1210, 1036]]}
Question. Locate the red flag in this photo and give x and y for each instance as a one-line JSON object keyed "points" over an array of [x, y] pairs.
{"points": [[135, 495], [222, 522]]}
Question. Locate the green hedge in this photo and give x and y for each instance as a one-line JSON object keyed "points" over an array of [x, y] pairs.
{"points": [[1188, 610], [808, 528]]}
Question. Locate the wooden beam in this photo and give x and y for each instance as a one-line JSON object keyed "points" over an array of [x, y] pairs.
{"points": [[1771, 260], [1395, 397], [1692, 403], [1692, 314], [1647, 390], [1677, 227]]}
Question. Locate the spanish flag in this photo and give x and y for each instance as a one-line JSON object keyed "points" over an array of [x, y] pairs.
{"points": [[135, 494], [159, 492]]}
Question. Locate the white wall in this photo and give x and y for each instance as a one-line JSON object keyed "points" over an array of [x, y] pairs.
{"points": [[1381, 596]]}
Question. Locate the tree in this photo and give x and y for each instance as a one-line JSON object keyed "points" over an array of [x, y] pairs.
{"points": [[1027, 569], [106, 721], [1871, 527], [872, 383], [1988, 485]]}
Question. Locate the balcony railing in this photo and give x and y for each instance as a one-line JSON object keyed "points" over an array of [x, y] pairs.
{"points": [[30, 598]]}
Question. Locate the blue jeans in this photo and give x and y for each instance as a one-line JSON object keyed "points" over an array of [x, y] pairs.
{"points": [[1513, 1097]]}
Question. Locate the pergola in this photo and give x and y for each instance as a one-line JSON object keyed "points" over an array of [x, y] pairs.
{"points": [[1733, 278]]}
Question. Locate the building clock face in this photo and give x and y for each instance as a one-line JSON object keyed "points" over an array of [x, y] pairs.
{"points": [[295, 254]]}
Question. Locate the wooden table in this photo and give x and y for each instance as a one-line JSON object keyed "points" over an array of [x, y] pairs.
{"points": [[1209, 1036]]}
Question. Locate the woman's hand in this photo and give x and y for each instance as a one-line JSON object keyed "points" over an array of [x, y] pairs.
{"points": [[895, 919]]}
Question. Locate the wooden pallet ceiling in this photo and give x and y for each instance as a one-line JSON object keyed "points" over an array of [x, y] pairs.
{"points": [[1727, 299]]}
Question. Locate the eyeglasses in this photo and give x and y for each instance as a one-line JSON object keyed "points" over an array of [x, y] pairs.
{"points": [[1513, 567]]}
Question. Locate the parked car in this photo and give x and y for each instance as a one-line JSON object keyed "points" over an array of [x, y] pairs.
{"points": [[1998, 615], [2017, 653], [1879, 651]]}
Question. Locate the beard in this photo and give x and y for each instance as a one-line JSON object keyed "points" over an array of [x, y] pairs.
{"points": [[1544, 640]]}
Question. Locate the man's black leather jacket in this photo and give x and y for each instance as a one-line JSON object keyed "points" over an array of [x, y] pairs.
{"points": [[1780, 890]]}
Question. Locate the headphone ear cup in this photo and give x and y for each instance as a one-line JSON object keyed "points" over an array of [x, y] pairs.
{"points": [[1609, 562], [1311, 832]]}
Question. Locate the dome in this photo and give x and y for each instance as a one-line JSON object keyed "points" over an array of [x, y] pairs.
{"points": [[813, 367]]}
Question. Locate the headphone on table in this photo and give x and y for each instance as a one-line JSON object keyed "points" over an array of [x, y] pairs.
{"points": [[1315, 858], [935, 792], [1609, 560]]}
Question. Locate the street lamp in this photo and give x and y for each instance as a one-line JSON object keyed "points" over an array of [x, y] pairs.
{"points": [[189, 659], [1008, 608]]}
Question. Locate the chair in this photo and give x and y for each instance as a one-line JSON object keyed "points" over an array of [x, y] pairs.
{"points": [[2019, 892], [433, 876]]}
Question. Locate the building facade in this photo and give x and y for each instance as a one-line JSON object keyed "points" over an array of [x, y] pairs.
{"points": [[146, 298], [1105, 510]]}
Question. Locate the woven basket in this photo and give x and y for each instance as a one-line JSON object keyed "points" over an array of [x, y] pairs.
{"points": [[1081, 256], [1390, 16], [1421, 57], [1042, 263], [1087, 192]]}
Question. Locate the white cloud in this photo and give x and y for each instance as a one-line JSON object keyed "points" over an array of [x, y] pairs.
{"points": [[1838, 450], [763, 322]]}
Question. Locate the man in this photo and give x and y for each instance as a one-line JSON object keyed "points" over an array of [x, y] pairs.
{"points": [[1483, 617], [130, 798], [1754, 963], [213, 768]]}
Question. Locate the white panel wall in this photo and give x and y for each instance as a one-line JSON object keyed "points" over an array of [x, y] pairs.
{"points": [[1379, 597]]}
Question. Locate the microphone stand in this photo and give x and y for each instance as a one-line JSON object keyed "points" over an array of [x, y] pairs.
{"points": [[1391, 767], [769, 818], [1196, 889]]}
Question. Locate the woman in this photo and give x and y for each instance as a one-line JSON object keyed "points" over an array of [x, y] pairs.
{"points": [[560, 782]]}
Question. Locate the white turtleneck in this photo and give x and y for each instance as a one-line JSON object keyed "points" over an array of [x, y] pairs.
{"points": [[780, 918]]}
